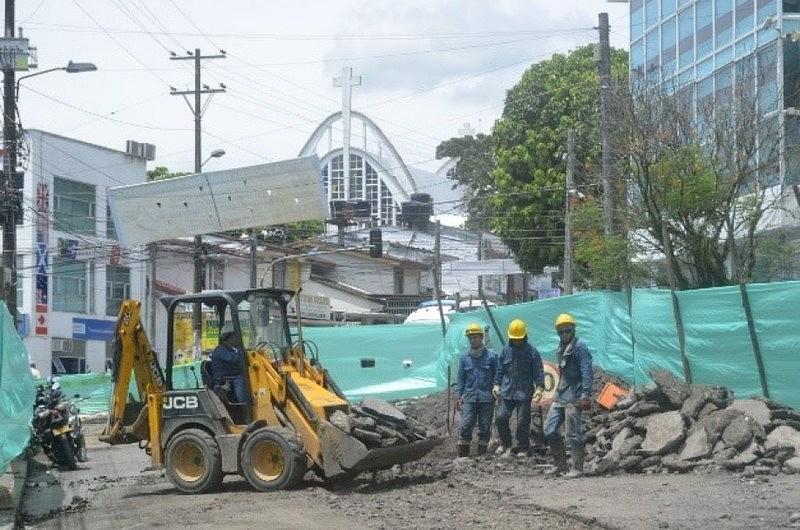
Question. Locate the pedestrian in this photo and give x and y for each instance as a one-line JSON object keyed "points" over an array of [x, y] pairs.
{"points": [[520, 378], [572, 396], [476, 373]]}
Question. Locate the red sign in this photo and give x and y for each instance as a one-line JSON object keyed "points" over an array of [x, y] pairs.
{"points": [[41, 324]]}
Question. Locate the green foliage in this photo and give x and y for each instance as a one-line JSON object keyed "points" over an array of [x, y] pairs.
{"points": [[163, 173], [293, 232], [552, 97], [473, 172]]}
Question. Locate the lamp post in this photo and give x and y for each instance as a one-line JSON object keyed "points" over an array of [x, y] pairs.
{"points": [[71, 68], [10, 194], [216, 153]]}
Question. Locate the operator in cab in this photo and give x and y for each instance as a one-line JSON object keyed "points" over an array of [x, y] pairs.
{"points": [[227, 364]]}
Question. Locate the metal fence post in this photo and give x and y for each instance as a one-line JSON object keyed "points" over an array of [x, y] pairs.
{"points": [[748, 313]]}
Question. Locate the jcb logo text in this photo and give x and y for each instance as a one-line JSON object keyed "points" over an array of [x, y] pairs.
{"points": [[180, 402]]}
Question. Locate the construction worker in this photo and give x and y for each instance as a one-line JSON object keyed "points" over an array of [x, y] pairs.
{"points": [[572, 396], [476, 373], [520, 377], [227, 364]]}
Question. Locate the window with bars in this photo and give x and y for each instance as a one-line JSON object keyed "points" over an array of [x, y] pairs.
{"points": [[118, 288], [74, 206], [325, 179], [69, 285], [372, 186]]}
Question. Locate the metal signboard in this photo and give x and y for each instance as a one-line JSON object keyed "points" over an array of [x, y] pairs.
{"points": [[93, 329], [268, 194], [14, 53]]}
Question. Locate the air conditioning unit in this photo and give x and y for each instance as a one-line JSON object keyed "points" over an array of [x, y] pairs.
{"points": [[140, 150]]}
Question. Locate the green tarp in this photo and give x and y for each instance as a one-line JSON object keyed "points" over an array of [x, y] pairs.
{"points": [[629, 338], [17, 391]]}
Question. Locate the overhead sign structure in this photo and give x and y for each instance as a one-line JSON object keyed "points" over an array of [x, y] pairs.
{"points": [[268, 194]]}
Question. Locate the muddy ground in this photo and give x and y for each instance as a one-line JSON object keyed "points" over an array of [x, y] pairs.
{"points": [[113, 491]]}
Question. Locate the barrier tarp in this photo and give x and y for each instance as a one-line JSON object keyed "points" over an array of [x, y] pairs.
{"points": [[629, 338], [17, 391]]}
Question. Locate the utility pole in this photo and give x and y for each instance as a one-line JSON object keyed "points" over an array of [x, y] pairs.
{"points": [[480, 258], [568, 214], [9, 192], [604, 66], [197, 110], [253, 250], [437, 274], [152, 249]]}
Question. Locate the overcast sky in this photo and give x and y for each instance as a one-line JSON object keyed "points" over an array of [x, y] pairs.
{"points": [[427, 67]]}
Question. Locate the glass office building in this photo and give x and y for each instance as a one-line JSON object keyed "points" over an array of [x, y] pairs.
{"points": [[701, 49]]}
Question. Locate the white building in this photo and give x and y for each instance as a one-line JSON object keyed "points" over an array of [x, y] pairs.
{"points": [[71, 274]]}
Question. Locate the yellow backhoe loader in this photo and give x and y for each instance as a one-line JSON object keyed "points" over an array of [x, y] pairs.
{"points": [[286, 428]]}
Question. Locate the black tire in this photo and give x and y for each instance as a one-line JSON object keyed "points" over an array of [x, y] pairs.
{"points": [[272, 458], [81, 453], [193, 462], [64, 452]]}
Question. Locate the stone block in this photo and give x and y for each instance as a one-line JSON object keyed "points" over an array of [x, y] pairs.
{"points": [[383, 410], [738, 434], [754, 409], [784, 435], [697, 446], [665, 432]]}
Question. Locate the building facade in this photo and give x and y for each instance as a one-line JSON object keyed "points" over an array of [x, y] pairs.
{"points": [[700, 49], [71, 274]]}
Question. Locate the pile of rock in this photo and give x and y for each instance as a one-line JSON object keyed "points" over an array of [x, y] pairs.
{"points": [[678, 427], [377, 423]]}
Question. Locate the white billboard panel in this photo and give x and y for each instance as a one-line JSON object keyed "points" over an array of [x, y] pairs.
{"points": [[279, 192], [487, 267]]}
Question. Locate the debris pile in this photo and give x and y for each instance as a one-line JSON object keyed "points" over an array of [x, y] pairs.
{"points": [[377, 423], [672, 426]]}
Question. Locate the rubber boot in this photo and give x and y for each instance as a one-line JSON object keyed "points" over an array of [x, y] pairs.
{"points": [[559, 457], [481, 449], [578, 454], [463, 449]]}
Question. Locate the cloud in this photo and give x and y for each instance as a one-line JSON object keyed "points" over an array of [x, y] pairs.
{"points": [[473, 64]]}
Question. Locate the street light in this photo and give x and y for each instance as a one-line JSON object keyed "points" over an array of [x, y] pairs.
{"points": [[216, 153], [71, 68]]}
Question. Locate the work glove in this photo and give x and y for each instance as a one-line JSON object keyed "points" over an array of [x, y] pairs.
{"points": [[537, 394], [496, 391], [585, 403]]}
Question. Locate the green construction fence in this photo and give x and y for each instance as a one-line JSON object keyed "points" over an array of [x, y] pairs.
{"points": [[704, 335], [17, 391]]}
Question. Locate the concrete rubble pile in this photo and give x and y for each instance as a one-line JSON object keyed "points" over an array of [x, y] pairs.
{"points": [[676, 427], [377, 423]]}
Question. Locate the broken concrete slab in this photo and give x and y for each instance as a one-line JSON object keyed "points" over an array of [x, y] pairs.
{"points": [[675, 390], [383, 410], [715, 423], [700, 395], [739, 433], [631, 463], [753, 408], [746, 458], [784, 436], [367, 436], [781, 453], [697, 446], [342, 421], [363, 422], [664, 432], [707, 409], [786, 414], [650, 461], [792, 465], [677, 465], [645, 408], [620, 438]]}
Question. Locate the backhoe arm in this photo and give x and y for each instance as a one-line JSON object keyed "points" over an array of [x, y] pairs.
{"points": [[129, 422]]}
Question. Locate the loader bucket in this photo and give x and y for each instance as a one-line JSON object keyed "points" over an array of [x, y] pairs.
{"points": [[342, 453]]}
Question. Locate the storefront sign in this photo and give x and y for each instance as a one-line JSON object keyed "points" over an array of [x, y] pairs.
{"points": [[93, 329]]}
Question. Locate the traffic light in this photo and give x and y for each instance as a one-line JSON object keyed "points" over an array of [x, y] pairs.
{"points": [[375, 243]]}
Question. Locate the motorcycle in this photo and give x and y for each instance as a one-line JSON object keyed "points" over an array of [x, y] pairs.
{"points": [[52, 429], [76, 428]]}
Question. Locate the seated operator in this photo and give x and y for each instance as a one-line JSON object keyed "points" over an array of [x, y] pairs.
{"points": [[227, 364]]}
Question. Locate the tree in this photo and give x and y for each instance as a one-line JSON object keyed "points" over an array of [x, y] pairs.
{"points": [[163, 173], [702, 175], [526, 206], [475, 162]]}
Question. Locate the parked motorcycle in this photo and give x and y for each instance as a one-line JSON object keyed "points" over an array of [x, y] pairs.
{"points": [[57, 427]]}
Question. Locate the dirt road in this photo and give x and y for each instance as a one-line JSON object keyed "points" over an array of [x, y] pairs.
{"points": [[112, 491]]}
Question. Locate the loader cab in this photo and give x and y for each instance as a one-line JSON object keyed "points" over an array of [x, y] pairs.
{"points": [[259, 320]]}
